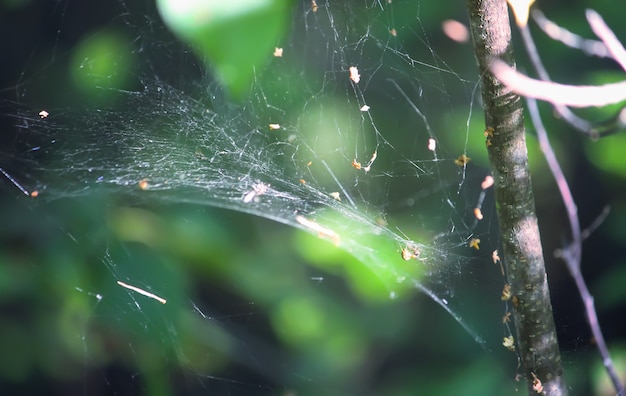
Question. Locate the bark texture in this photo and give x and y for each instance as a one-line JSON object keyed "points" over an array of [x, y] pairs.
{"points": [[521, 246]]}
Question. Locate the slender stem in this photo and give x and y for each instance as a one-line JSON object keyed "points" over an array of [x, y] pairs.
{"points": [[593, 130], [521, 245], [572, 254], [571, 118]]}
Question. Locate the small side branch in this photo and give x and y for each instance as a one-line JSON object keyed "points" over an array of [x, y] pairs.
{"points": [[561, 95], [609, 46], [569, 95], [572, 254]]}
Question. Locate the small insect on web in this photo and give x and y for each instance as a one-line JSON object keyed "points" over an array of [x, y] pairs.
{"points": [[258, 189]]}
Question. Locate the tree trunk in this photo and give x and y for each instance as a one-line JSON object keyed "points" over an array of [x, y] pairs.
{"points": [[521, 246]]}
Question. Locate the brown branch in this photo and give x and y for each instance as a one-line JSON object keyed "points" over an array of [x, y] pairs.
{"points": [[522, 254]]}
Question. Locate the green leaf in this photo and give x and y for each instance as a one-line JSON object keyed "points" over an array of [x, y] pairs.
{"points": [[232, 37]]}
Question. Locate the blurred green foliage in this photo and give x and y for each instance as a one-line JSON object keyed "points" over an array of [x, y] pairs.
{"points": [[608, 155], [232, 37], [102, 60], [247, 311]]}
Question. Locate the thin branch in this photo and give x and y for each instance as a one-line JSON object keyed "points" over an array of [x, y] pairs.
{"points": [[569, 95], [572, 254], [609, 47], [577, 122], [596, 223], [604, 33], [572, 40]]}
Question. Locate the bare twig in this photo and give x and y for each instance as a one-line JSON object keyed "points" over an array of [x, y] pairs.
{"points": [[560, 96], [604, 33], [609, 47], [579, 123], [574, 250], [569, 95], [596, 223], [572, 40], [572, 253]]}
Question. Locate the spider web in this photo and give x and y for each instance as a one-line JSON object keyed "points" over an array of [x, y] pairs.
{"points": [[369, 164]]}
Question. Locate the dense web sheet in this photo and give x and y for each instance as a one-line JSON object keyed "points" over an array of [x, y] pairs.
{"points": [[357, 134]]}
